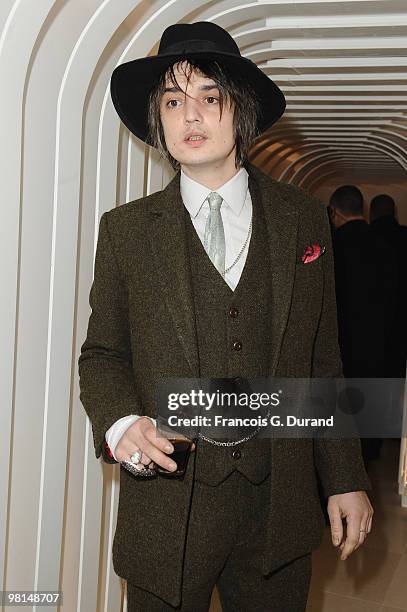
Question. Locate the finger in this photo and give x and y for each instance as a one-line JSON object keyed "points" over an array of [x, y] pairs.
{"points": [[152, 445], [124, 450], [369, 523], [362, 534], [336, 525], [371, 517], [352, 535], [166, 444], [363, 529], [145, 459], [157, 456], [160, 442]]}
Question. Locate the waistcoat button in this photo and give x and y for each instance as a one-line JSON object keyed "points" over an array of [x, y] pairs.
{"points": [[236, 454], [237, 345], [233, 312]]}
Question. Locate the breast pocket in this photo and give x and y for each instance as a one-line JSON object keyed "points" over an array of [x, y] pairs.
{"points": [[307, 293]]}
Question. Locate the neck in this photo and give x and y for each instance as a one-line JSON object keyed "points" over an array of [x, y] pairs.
{"points": [[343, 220], [212, 175]]}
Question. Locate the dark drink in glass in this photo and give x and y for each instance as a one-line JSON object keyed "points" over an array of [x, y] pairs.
{"points": [[180, 454]]}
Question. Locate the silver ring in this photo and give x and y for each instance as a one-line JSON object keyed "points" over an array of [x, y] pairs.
{"points": [[362, 530], [135, 458]]}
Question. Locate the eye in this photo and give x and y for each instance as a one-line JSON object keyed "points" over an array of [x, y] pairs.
{"points": [[170, 105], [212, 98]]}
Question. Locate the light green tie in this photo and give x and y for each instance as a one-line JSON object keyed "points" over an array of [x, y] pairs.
{"points": [[214, 239]]}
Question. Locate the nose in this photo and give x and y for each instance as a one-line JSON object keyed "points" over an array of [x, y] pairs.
{"points": [[191, 110]]}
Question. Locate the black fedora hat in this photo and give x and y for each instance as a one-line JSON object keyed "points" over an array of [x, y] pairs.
{"points": [[132, 81]]}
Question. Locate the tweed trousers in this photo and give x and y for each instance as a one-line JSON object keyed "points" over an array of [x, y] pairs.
{"points": [[233, 533]]}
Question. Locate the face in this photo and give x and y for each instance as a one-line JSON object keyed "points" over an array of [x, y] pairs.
{"points": [[333, 215], [337, 218], [194, 110]]}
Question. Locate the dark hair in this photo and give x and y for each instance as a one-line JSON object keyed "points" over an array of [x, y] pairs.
{"points": [[348, 199], [381, 206], [232, 89]]}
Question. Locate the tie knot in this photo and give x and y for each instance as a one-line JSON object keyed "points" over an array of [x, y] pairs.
{"points": [[215, 200]]}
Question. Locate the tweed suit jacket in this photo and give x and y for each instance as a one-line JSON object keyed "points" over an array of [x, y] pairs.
{"points": [[141, 328]]}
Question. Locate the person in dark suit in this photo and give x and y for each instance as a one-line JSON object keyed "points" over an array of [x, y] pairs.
{"points": [[385, 225], [365, 276], [213, 277]]}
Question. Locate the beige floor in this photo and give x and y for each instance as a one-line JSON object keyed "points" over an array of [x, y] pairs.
{"points": [[374, 578]]}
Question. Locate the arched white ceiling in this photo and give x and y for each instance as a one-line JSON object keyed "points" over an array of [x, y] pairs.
{"points": [[342, 66]]}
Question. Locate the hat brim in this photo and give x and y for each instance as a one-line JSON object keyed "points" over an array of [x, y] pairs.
{"points": [[132, 82]]}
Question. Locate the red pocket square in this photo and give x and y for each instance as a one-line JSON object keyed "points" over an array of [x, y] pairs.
{"points": [[312, 252]]}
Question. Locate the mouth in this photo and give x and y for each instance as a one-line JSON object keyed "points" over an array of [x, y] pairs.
{"points": [[195, 140]]}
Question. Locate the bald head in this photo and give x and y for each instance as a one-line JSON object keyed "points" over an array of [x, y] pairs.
{"points": [[345, 204], [348, 200]]}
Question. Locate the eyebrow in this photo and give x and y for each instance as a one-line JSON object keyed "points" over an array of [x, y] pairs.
{"points": [[201, 88]]}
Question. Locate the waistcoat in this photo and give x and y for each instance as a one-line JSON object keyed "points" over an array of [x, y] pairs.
{"points": [[234, 335]]}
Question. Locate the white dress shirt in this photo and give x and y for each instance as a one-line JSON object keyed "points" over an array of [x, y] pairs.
{"points": [[236, 212]]}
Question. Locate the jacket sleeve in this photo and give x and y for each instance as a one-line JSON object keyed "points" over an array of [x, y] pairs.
{"points": [[106, 382], [339, 462]]}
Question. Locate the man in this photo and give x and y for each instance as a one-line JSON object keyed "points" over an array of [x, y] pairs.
{"points": [[205, 279], [365, 276], [365, 287], [385, 225]]}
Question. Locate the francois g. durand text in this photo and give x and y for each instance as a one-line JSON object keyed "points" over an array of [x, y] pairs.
{"points": [[273, 421]]}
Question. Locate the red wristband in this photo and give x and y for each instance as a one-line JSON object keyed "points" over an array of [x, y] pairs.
{"points": [[107, 449]]}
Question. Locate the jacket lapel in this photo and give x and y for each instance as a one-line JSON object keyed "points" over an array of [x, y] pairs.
{"points": [[167, 238], [281, 215]]}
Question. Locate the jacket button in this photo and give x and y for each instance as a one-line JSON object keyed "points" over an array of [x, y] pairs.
{"points": [[233, 312], [236, 454], [237, 345]]}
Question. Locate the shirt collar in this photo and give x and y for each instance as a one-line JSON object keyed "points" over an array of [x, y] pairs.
{"points": [[233, 192]]}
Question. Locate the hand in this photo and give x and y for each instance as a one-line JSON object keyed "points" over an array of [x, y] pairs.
{"points": [[357, 509], [142, 436]]}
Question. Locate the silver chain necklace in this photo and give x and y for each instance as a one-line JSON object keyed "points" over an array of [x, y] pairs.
{"points": [[241, 250], [234, 442]]}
